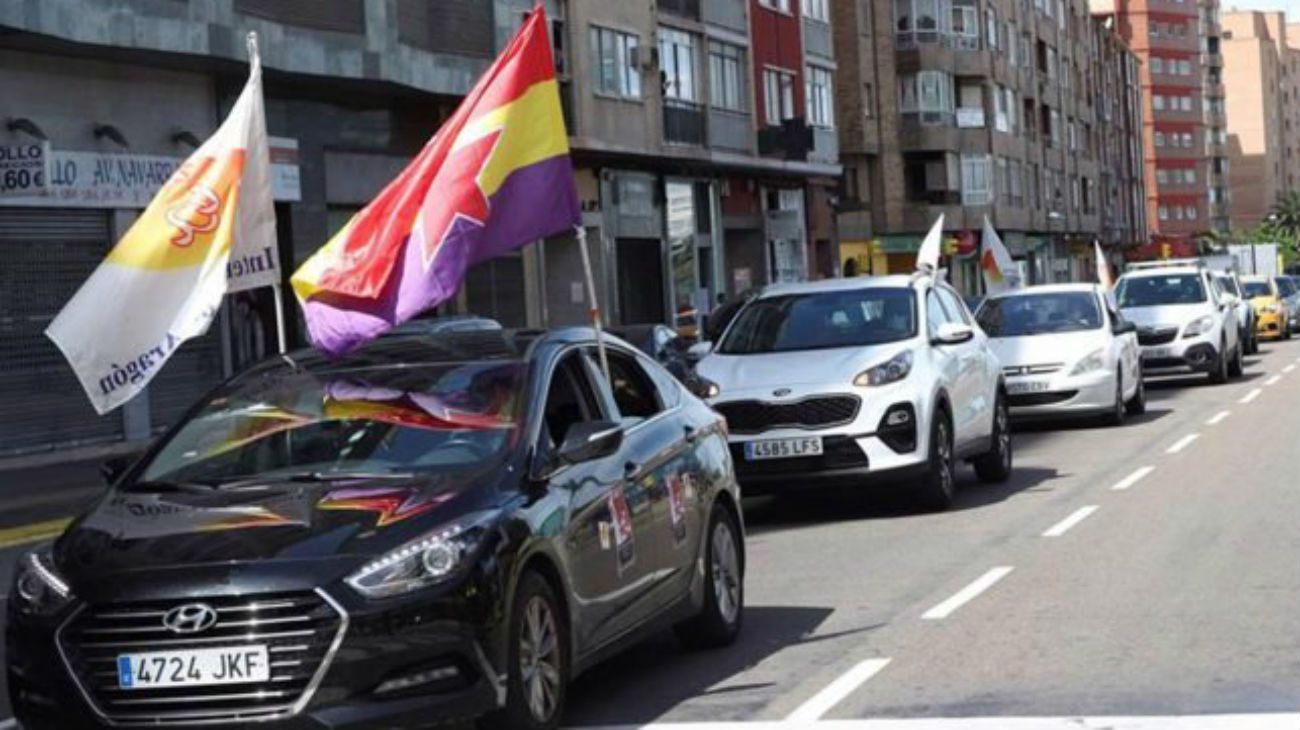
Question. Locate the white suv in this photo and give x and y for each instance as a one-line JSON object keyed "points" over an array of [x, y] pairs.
{"points": [[848, 381], [1185, 322]]}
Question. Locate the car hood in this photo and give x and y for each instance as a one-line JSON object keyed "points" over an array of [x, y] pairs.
{"points": [[278, 534], [1166, 315], [793, 369], [1065, 348]]}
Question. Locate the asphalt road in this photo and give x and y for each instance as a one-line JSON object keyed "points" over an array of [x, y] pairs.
{"points": [[1123, 573]]}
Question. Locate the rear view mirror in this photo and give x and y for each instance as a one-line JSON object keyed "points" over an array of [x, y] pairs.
{"points": [[952, 333], [1124, 328], [699, 351], [590, 440]]}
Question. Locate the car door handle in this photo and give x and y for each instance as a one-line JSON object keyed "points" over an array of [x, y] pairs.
{"points": [[631, 468]]}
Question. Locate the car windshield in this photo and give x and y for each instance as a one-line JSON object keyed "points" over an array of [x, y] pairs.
{"points": [[372, 422], [821, 320], [1285, 286], [1254, 289], [1023, 315], [1153, 291]]}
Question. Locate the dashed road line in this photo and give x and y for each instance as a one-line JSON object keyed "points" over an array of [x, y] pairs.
{"points": [[965, 595], [1128, 481], [1289, 368], [1064, 525], [1252, 395], [835, 692], [1218, 418], [1182, 443], [1273, 380]]}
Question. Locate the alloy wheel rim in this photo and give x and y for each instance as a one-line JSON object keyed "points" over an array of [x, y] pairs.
{"points": [[1004, 434], [539, 659], [726, 572], [945, 458]]}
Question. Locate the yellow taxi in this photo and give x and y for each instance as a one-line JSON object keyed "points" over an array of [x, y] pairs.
{"points": [[1270, 310]]}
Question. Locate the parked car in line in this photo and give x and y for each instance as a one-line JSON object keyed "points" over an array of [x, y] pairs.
{"points": [[1229, 283], [1271, 312], [405, 536], [1185, 323], [855, 381], [1065, 351], [1290, 293], [666, 347]]}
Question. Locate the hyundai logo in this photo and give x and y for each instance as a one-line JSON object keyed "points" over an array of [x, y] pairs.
{"points": [[192, 618]]}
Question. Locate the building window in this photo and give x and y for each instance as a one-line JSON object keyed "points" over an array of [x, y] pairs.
{"points": [[928, 94], [1189, 176], [1055, 118], [1187, 139], [1001, 117], [976, 185], [820, 91], [921, 21], [1191, 213], [991, 26], [1013, 44], [677, 64], [727, 76], [778, 95], [1158, 102], [1157, 65], [1185, 67], [781, 5], [1160, 139], [1162, 176], [1163, 213], [614, 55], [816, 10], [965, 25]]}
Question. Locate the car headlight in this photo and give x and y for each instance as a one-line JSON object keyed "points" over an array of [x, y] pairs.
{"points": [[38, 588], [1094, 361], [421, 563], [1199, 326], [891, 371]]}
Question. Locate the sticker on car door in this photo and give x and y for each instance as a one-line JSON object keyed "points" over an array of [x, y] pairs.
{"points": [[676, 484], [621, 524]]}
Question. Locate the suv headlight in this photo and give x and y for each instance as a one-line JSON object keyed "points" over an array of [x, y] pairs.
{"points": [[423, 562], [1199, 326], [1094, 361], [38, 588], [891, 371]]}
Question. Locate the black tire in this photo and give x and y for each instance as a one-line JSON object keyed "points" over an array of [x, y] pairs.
{"points": [[1118, 412], [1238, 365], [719, 622], [1219, 375], [1137, 405], [534, 594], [994, 466], [939, 485]]}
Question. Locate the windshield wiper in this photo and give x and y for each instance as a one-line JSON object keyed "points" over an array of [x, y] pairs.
{"points": [[164, 485], [315, 477]]}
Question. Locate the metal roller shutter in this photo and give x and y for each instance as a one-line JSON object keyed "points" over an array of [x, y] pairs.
{"points": [[47, 254]]}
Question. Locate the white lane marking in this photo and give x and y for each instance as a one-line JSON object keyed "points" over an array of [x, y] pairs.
{"points": [[1252, 395], [835, 692], [1064, 525], [1261, 721], [1289, 368], [1273, 380], [964, 596], [1182, 443], [1128, 481], [1218, 418]]}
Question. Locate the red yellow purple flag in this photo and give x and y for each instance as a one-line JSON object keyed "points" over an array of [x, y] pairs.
{"points": [[495, 177]]}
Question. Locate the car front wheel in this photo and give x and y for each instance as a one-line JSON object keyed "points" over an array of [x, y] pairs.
{"points": [[994, 466], [718, 623], [538, 660], [1137, 405], [939, 485]]}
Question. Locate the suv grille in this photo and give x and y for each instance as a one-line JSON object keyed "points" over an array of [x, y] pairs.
{"points": [[300, 630], [1156, 335], [752, 416], [1018, 370]]}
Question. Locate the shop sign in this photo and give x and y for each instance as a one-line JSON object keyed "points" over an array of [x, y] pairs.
{"points": [[24, 169]]}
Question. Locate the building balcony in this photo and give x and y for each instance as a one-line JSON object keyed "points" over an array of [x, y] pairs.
{"points": [[683, 122], [684, 8], [731, 130], [817, 39], [826, 146], [1213, 60], [728, 14]]}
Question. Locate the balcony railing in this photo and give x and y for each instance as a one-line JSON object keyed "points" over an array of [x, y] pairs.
{"points": [[683, 122], [684, 8], [725, 13]]}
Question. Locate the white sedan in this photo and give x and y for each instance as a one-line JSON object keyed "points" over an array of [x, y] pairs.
{"points": [[1065, 351]]}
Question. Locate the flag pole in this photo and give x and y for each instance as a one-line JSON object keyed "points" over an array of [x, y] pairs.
{"points": [[581, 232], [279, 318]]}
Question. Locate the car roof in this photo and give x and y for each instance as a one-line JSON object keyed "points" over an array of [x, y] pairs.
{"points": [[897, 281], [1047, 289], [1163, 271], [1256, 278]]}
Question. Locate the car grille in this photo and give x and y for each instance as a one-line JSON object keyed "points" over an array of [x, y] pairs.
{"points": [[301, 631], [1157, 335], [1045, 369], [752, 416], [1040, 399]]}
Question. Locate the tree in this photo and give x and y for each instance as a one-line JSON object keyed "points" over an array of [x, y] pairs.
{"points": [[1285, 216]]}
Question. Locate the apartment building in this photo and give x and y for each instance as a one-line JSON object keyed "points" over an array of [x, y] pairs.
{"points": [[1018, 110], [1178, 45], [1261, 71]]}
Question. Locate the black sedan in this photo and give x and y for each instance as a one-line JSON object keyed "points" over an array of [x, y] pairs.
{"points": [[438, 527]]}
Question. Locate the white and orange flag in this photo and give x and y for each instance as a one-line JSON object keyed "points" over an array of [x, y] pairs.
{"points": [[163, 282]]}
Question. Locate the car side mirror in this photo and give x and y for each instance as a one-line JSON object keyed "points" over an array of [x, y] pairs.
{"points": [[590, 440], [952, 333], [1124, 328], [699, 351], [113, 469]]}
